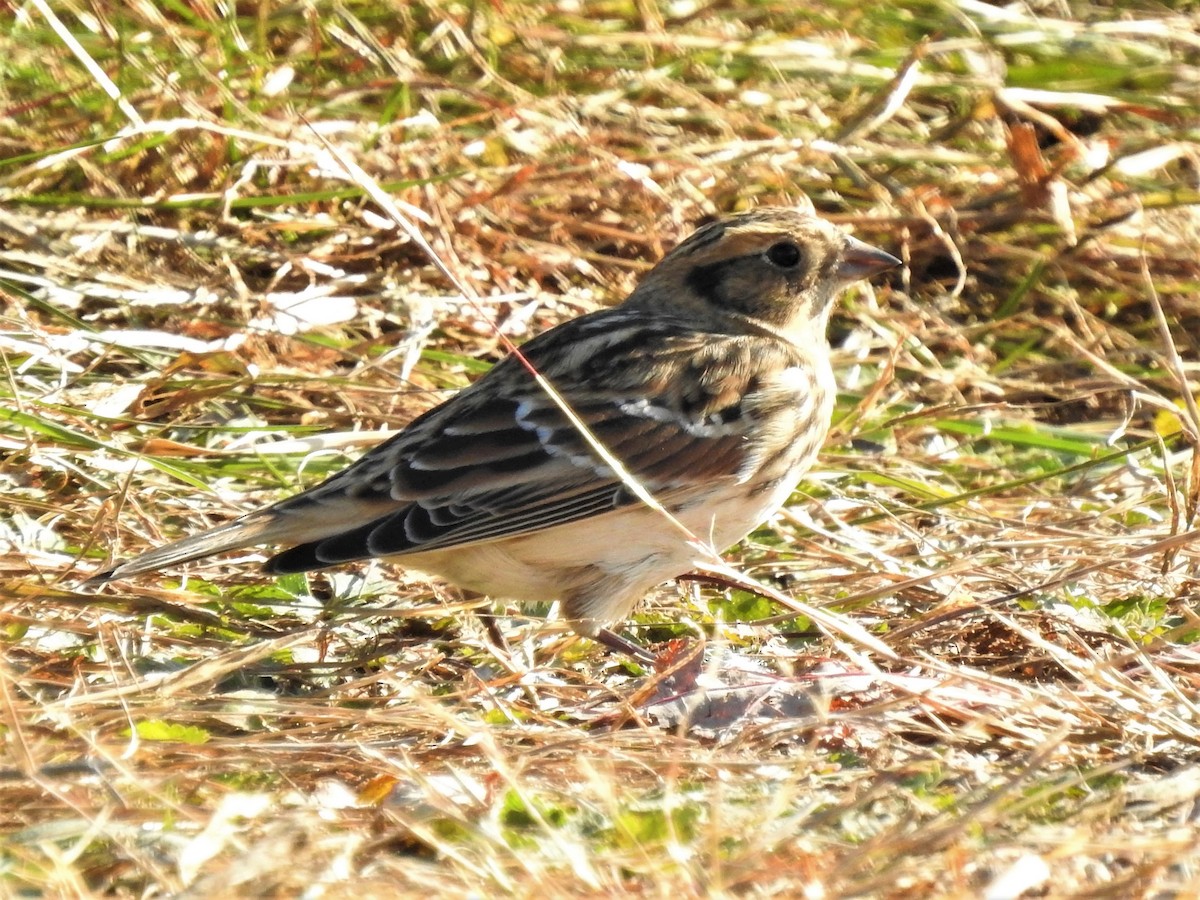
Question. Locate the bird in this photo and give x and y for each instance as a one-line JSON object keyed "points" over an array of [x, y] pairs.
{"points": [[695, 407]]}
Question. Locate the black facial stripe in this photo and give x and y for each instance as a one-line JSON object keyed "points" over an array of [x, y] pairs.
{"points": [[705, 281], [708, 234]]}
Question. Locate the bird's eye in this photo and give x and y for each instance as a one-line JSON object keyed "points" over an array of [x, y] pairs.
{"points": [[785, 254]]}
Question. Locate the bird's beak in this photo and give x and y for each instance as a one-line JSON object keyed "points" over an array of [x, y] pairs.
{"points": [[862, 261]]}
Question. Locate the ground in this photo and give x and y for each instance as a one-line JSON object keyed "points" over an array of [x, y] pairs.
{"points": [[969, 668]]}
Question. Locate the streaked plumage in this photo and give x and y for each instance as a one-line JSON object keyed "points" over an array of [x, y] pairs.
{"points": [[711, 384]]}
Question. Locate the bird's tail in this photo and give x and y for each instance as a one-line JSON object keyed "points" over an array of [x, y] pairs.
{"points": [[256, 528]]}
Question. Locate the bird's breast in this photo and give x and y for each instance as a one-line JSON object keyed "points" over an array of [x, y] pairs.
{"points": [[788, 415]]}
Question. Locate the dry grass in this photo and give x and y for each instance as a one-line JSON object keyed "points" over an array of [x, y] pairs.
{"points": [[202, 309]]}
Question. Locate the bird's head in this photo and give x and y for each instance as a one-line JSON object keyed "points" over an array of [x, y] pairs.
{"points": [[775, 267]]}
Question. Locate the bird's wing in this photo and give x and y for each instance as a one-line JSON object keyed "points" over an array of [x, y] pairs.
{"points": [[501, 459]]}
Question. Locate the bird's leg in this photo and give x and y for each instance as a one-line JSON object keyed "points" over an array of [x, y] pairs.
{"points": [[614, 641], [490, 624], [495, 636]]}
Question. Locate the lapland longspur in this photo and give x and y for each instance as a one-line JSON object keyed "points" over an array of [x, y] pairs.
{"points": [[710, 385]]}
